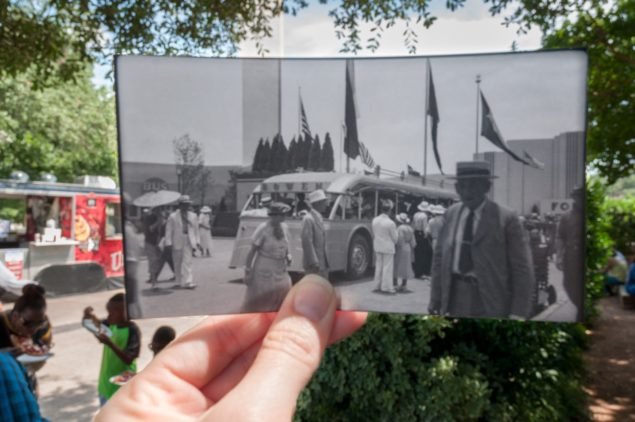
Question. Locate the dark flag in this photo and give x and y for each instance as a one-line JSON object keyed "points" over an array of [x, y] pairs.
{"points": [[351, 141], [433, 112], [413, 172], [490, 131], [304, 123], [533, 162]]}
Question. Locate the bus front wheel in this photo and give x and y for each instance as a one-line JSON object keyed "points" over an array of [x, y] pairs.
{"points": [[359, 256]]}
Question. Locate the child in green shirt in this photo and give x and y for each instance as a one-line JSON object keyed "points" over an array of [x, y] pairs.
{"points": [[120, 350]]}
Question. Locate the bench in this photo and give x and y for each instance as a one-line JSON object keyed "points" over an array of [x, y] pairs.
{"points": [[627, 301]]}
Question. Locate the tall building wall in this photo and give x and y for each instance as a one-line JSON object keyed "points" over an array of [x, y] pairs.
{"points": [[261, 104]]}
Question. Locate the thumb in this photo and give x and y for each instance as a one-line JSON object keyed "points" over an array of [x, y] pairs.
{"points": [[289, 355]]}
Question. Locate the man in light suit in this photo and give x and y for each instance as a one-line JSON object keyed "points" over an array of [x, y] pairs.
{"points": [[384, 239], [482, 264], [182, 236], [314, 236]]}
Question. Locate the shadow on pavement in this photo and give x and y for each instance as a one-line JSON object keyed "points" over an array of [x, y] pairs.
{"points": [[78, 403]]}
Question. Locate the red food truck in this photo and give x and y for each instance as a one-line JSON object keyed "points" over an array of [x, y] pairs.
{"points": [[66, 225]]}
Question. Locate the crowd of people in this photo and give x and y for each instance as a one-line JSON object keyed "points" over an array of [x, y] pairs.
{"points": [[174, 238]]}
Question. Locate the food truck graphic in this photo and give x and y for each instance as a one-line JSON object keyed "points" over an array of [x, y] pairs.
{"points": [[65, 225]]}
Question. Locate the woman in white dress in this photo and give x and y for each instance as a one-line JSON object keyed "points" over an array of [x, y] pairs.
{"points": [[403, 251], [205, 230], [266, 276]]}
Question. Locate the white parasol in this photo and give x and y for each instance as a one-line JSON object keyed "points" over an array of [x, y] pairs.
{"points": [[156, 199]]}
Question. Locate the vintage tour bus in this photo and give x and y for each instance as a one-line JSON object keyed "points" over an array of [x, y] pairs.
{"points": [[353, 201]]}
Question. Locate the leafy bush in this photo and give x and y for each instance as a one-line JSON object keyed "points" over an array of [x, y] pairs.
{"points": [[435, 369]]}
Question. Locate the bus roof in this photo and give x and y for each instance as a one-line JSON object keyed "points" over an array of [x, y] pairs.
{"points": [[13, 189], [342, 183]]}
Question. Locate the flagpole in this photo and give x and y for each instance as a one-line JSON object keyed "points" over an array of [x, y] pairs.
{"points": [[425, 125], [299, 111], [341, 144], [478, 101]]}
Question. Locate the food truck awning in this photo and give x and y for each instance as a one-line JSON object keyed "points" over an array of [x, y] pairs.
{"points": [[13, 189]]}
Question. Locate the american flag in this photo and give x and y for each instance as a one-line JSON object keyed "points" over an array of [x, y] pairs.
{"points": [[304, 123], [365, 155]]}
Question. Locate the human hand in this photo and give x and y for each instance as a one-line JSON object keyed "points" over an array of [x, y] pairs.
{"points": [[242, 367], [103, 339], [88, 312]]}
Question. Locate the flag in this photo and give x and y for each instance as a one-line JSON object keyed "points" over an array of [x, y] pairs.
{"points": [[367, 159], [304, 123], [433, 112], [533, 162], [490, 131], [413, 172], [351, 141]]}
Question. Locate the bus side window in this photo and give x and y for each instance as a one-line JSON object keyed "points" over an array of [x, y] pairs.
{"points": [[384, 195], [368, 204], [351, 206]]}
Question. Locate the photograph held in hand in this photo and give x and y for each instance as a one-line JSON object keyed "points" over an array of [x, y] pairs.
{"points": [[449, 185]]}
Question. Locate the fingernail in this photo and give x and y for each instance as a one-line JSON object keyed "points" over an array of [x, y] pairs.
{"points": [[313, 299]]}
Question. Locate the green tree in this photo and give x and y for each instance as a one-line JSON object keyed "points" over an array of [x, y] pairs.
{"points": [[67, 130], [327, 161], [607, 31]]}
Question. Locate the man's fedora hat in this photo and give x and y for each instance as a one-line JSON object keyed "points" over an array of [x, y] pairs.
{"points": [[279, 208], [185, 199], [473, 170]]}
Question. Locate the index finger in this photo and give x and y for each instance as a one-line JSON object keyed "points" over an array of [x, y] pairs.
{"points": [[204, 351]]}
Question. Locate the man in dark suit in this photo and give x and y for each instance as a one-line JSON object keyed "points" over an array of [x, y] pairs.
{"points": [[482, 264]]}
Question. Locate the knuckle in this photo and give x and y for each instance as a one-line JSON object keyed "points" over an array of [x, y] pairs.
{"points": [[299, 344]]}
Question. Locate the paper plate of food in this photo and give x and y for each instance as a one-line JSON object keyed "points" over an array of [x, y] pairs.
{"points": [[27, 358], [96, 327], [122, 378]]}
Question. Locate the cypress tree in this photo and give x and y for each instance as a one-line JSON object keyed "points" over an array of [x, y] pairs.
{"points": [[283, 157], [291, 156], [266, 156], [274, 155], [327, 161], [315, 154], [256, 164]]}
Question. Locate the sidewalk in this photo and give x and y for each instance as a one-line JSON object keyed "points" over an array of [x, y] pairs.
{"points": [[611, 363], [68, 382]]}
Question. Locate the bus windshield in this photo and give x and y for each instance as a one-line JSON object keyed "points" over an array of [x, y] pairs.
{"points": [[296, 200]]}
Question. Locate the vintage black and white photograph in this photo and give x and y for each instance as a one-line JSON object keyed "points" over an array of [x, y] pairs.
{"points": [[449, 185]]}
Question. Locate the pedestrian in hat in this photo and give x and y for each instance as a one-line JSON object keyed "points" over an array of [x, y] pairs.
{"points": [[266, 265], [182, 237], [435, 224], [422, 250], [482, 264], [403, 251], [384, 240], [205, 229], [313, 235]]}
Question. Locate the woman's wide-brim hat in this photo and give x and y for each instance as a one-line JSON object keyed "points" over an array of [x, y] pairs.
{"points": [[423, 206], [279, 208], [437, 209], [403, 218], [473, 170], [206, 209]]}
